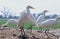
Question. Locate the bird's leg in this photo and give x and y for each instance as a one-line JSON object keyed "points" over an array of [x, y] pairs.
{"points": [[23, 35], [31, 28], [47, 35], [21, 29], [46, 32]]}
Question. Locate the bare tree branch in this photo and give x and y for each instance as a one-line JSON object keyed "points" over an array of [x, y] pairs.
{"points": [[6, 12]]}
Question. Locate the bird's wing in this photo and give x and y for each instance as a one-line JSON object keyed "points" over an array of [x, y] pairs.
{"points": [[46, 22], [40, 19], [32, 18], [22, 15]]}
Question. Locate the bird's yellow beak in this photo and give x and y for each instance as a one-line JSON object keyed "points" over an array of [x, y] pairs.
{"points": [[30, 7]]}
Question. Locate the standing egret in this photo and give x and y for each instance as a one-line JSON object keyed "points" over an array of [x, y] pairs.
{"points": [[42, 16], [48, 23], [26, 16]]}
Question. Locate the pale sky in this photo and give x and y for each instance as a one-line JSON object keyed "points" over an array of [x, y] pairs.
{"points": [[40, 5]]}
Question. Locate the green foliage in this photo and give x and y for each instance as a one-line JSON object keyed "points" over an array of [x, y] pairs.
{"points": [[27, 25], [12, 25], [2, 21]]}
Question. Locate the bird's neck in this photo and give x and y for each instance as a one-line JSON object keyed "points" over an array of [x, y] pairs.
{"points": [[44, 14], [28, 10]]}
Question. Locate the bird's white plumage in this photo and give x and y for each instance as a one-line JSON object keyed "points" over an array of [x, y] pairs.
{"points": [[32, 18], [12, 21], [26, 16], [47, 23], [40, 19]]}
